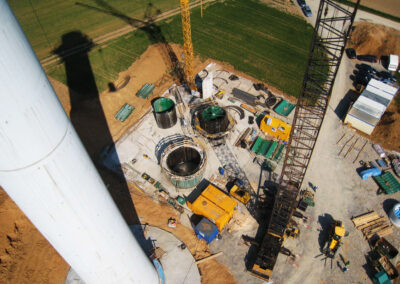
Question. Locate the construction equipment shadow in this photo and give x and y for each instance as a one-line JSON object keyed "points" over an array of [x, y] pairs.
{"points": [[264, 206], [388, 205], [325, 221]]}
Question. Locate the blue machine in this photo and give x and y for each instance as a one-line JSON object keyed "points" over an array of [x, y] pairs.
{"points": [[206, 230], [372, 172]]}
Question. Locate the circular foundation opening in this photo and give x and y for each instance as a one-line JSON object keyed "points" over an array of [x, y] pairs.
{"points": [[184, 161], [163, 104]]}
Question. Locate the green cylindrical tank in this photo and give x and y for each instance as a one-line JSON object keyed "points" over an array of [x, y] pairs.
{"points": [[164, 112], [214, 119]]}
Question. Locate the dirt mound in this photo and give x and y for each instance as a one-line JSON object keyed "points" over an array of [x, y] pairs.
{"points": [[25, 255], [375, 39], [386, 133]]}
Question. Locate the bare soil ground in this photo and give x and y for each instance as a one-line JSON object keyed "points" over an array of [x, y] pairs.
{"points": [[379, 40], [387, 132], [25, 255]]}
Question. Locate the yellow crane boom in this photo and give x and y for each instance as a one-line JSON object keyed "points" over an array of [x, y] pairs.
{"points": [[187, 43]]}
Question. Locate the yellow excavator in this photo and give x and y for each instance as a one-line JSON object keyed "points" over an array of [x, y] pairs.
{"points": [[334, 241]]}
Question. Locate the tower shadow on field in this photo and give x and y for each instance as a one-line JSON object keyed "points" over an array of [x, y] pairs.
{"points": [[88, 118], [153, 32]]}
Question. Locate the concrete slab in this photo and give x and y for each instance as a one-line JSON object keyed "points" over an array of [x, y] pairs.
{"points": [[178, 264], [136, 149]]}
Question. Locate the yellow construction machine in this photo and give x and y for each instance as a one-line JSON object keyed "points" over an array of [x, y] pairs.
{"points": [[337, 232], [240, 194]]}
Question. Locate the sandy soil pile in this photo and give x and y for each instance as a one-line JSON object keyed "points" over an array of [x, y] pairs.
{"points": [[387, 132], [375, 39], [379, 40], [25, 256]]}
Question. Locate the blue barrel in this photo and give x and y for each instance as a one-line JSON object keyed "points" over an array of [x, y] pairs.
{"points": [[221, 170], [206, 230]]}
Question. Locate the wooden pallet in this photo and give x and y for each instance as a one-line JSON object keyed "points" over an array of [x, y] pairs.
{"points": [[371, 223], [365, 218]]}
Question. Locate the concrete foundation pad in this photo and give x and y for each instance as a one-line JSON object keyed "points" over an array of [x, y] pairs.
{"points": [[179, 266]]}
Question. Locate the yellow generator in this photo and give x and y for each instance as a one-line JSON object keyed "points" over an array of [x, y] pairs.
{"points": [[275, 127]]}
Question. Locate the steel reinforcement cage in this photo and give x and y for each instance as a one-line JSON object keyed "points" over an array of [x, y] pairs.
{"points": [[332, 29]]}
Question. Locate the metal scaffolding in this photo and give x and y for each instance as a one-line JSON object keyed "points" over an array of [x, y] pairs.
{"points": [[332, 28]]}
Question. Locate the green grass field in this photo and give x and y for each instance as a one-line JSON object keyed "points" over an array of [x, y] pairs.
{"points": [[108, 61], [261, 41], [45, 21]]}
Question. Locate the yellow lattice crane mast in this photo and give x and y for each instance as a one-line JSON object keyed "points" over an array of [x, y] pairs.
{"points": [[187, 43]]}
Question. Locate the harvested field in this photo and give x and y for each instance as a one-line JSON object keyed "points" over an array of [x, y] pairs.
{"points": [[391, 7]]}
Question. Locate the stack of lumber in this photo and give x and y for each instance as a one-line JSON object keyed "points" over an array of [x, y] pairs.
{"points": [[371, 223], [388, 266]]}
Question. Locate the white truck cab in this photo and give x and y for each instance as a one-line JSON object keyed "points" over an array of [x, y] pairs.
{"points": [[393, 62]]}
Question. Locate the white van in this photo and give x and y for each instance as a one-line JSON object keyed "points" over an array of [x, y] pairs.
{"points": [[393, 62]]}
